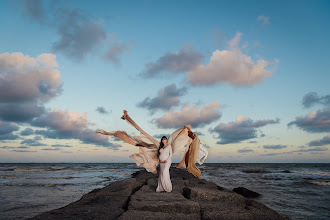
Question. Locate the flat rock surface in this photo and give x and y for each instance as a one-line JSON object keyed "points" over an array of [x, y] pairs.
{"points": [[136, 198]]}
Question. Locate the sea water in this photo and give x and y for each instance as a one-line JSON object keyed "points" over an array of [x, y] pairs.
{"points": [[300, 191]]}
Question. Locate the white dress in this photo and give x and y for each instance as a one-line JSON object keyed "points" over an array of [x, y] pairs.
{"points": [[164, 180]]}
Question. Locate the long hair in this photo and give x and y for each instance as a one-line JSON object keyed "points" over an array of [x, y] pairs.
{"points": [[161, 145]]}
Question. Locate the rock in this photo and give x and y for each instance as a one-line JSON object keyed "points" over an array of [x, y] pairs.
{"points": [[136, 198], [246, 192], [133, 214]]}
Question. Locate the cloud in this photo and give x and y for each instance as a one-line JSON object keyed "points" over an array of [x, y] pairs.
{"points": [[62, 120], [230, 66], [78, 35], [190, 115], [27, 132], [312, 98], [175, 62], [245, 150], [51, 149], [165, 99], [7, 129], [275, 147], [159, 136], [320, 142], [263, 19], [115, 51], [70, 125], [33, 142], [26, 84], [275, 154], [24, 150], [60, 145], [312, 149], [314, 122], [35, 10], [199, 133], [102, 110], [242, 129]]}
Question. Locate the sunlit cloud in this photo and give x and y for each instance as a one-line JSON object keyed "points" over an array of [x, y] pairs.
{"points": [[190, 115], [26, 84]]}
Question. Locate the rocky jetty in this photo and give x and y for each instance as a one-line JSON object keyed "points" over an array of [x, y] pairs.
{"points": [[135, 198]]}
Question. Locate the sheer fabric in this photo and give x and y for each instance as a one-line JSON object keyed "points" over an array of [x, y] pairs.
{"points": [[148, 146]]}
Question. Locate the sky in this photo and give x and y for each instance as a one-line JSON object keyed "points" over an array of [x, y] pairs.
{"points": [[251, 77]]}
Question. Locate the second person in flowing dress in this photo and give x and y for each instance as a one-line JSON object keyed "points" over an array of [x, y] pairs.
{"points": [[165, 154]]}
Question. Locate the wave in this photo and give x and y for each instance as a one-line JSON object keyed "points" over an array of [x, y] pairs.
{"points": [[315, 172], [321, 183], [38, 177], [39, 169], [256, 171], [36, 184]]}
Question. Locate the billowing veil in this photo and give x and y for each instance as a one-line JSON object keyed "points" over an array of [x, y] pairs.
{"points": [[148, 146]]}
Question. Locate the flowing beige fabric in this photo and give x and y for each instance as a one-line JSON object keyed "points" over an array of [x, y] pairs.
{"points": [[148, 146], [190, 157]]}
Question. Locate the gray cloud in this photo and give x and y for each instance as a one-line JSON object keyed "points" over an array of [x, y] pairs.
{"points": [[176, 62], [24, 150], [312, 149], [314, 122], [115, 51], [21, 112], [51, 149], [33, 142], [312, 98], [190, 115], [242, 129], [165, 99], [245, 150], [35, 10], [102, 110], [78, 35], [27, 132], [275, 147], [61, 145], [159, 136], [7, 129], [320, 142]]}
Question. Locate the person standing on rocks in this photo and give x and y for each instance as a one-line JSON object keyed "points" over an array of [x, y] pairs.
{"points": [[165, 154]]}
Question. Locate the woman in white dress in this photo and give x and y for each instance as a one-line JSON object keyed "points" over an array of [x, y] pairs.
{"points": [[165, 154]]}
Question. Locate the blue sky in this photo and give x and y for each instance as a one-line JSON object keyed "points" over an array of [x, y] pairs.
{"points": [[251, 76]]}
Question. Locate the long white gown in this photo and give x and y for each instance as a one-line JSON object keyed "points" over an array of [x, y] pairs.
{"points": [[164, 179]]}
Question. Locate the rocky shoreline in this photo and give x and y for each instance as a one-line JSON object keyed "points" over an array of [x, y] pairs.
{"points": [[135, 198]]}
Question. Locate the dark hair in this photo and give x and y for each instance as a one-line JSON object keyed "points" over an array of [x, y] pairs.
{"points": [[161, 145]]}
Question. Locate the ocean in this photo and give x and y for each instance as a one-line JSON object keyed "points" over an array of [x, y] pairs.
{"points": [[300, 191]]}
